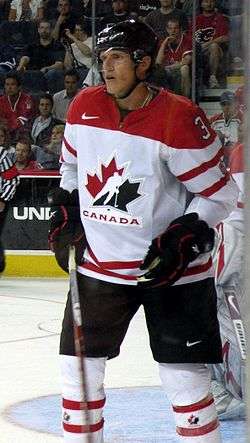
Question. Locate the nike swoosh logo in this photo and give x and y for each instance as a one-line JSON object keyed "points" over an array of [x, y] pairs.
{"points": [[89, 117], [192, 343], [231, 301]]}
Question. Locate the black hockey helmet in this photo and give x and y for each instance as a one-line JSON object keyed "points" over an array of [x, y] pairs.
{"points": [[133, 36]]}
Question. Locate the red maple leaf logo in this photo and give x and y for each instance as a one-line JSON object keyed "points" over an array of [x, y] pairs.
{"points": [[95, 184]]}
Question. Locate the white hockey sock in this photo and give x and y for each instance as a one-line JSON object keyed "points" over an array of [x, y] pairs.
{"points": [[188, 389], [79, 425], [197, 422]]}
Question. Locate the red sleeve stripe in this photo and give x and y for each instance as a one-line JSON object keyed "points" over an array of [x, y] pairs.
{"points": [[69, 148], [202, 430], [195, 406], [202, 168], [83, 429], [10, 173], [215, 187], [80, 405]]}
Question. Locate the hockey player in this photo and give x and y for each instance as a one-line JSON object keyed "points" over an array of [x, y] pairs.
{"points": [[8, 182], [148, 242], [229, 377]]}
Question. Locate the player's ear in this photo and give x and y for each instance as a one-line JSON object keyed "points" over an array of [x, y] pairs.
{"points": [[143, 67]]}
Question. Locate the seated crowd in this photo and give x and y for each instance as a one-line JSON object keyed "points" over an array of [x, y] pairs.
{"points": [[43, 69]]}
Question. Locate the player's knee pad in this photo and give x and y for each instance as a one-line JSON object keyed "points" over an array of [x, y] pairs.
{"points": [[79, 421], [187, 387]]}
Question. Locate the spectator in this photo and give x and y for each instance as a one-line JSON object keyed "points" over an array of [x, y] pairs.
{"points": [[211, 31], [8, 58], [23, 155], [26, 10], [93, 77], [143, 7], [103, 8], [48, 156], [78, 47], [16, 107], [63, 98], [43, 124], [187, 7], [228, 122], [66, 19], [120, 13], [46, 56], [175, 56], [4, 10], [5, 139], [158, 19]]}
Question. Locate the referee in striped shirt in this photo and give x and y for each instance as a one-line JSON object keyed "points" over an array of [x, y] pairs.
{"points": [[9, 180]]}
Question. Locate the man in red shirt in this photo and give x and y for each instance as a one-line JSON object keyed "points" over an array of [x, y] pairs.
{"points": [[16, 107], [211, 31], [175, 56]]}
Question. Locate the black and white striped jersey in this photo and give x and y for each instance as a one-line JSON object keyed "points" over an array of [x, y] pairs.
{"points": [[9, 176]]}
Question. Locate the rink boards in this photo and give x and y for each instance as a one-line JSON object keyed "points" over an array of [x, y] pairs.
{"points": [[32, 263]]}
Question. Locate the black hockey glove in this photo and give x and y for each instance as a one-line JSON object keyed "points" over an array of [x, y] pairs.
{"points": [[169, 254], [65, 226]]}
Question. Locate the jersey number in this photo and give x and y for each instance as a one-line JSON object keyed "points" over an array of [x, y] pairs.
{"points": [[199, 122]]}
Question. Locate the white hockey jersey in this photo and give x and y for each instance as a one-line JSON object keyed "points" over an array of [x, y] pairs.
{"points": [[134, 177]]}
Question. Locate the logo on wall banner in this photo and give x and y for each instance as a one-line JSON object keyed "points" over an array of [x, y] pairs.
{"points": [[112, 191]]}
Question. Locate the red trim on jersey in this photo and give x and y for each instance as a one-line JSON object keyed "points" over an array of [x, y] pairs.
{"points": [[195, 406], [202, 430], [114, 264], [69, 148], [202, 168], [199, 268], [83, 429], [81, 405], [215, 187], [240, 205], [95, 268], [221, 251], [10, 173]]}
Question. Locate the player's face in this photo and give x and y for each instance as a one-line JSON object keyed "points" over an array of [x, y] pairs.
{"points": [[11, 86], [229, 108], [173, 30], [118, 71]]}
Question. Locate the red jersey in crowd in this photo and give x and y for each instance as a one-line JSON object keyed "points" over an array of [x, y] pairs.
{"points": [[20, 113], [210, 27], [174, 53]]}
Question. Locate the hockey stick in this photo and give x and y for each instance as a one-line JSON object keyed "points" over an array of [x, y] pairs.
{"points": [[79, 339], [235, 315]]}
